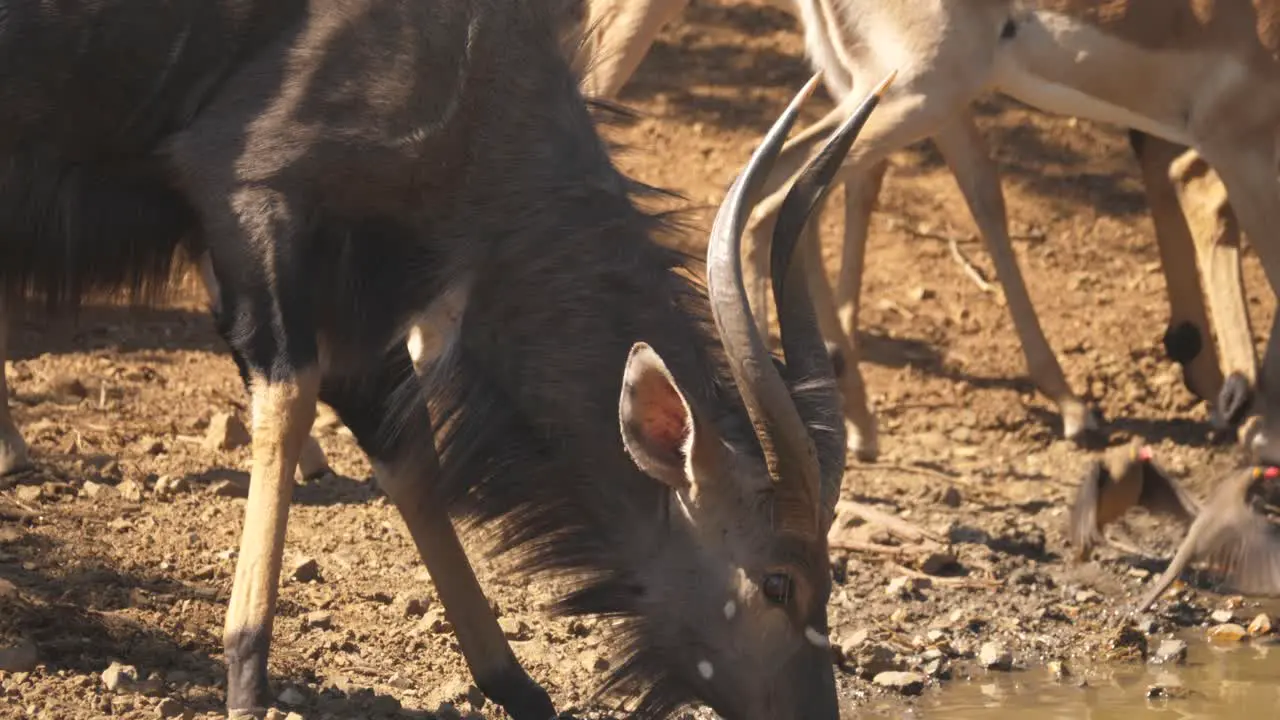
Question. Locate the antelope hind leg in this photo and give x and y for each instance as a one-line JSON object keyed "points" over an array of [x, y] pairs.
{"points": [[1217, 238], [965, 152], [1187, 340]]}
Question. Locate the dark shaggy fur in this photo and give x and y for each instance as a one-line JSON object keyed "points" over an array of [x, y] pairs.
{"points": [[415, 142]]}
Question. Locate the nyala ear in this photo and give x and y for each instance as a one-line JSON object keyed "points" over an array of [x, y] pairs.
{"points": [[659, 428]]}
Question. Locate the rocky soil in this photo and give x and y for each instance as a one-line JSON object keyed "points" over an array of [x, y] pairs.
{"points": [[116, 552]]}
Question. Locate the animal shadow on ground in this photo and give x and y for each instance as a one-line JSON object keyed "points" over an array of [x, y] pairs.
{"points": [[73, 616]]}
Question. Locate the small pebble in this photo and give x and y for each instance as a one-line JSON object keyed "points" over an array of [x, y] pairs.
{"points": [[904, 586], [1168, 688], [98, 491], [1260, 625], [305, 569], [1222, 616], [131, 490], [1226, 633], [907, 683], [1139, 573], [319, 619], [1171, 651], [937, 563], [873, 659], [169, 485], [170, 708], [226, 432], [119, 677], [411, 604], [514, 629], [29, 493], [993, 656]]}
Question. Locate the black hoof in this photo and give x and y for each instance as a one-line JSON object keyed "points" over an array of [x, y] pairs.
{"points": [[519, 695], [247, 691], [1232, 409]]}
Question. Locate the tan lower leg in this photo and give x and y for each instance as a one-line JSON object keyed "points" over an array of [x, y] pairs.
{"points": [[1187, 312], [863, 439], [282, 414], [860, 198], [979, 181], [1216, 234], [764, 216], [623, 31]]}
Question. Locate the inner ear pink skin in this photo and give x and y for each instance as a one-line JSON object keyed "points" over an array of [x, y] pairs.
{"points": [[661, 413]]}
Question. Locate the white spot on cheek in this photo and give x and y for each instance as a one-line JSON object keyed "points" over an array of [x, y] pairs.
{"points": [[705, 670], [817, 638], [730, 609]]}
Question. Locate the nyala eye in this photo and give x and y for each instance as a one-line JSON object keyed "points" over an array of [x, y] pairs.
{"points": [[777, 588]]}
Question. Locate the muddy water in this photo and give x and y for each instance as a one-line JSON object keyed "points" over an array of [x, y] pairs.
{"points": [[1242, 681]]}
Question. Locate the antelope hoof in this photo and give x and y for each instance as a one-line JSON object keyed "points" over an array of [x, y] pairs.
{"points": [[863, 442], [518, 694], [1082, 424], [865, 446], [13, 453], [312, 463], [1232, 408]]}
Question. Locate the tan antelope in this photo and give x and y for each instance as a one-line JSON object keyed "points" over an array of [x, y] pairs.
{"points": [[956, 52]]}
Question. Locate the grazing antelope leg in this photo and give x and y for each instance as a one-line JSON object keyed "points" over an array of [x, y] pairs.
{"points": [[965, 152], [861, 193], [844, 352], [1187, 340], [1217, 237], [408, 469], [13, 449], [795, 153], [618, 36], [1250, 179], [899, 120], [312, 463], [263, 313]]}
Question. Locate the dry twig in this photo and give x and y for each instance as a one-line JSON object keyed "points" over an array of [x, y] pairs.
{"points": [[969, 268]]}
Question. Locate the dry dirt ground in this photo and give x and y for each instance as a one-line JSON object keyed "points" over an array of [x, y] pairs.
{"points": [[139, 575]]}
